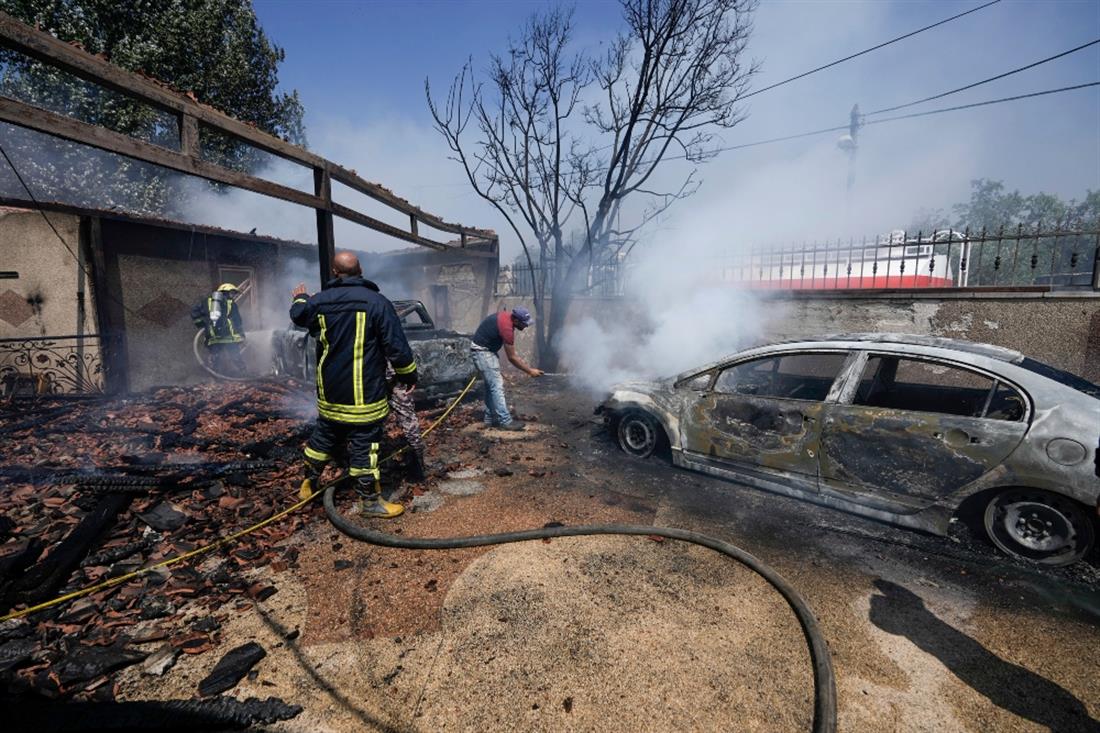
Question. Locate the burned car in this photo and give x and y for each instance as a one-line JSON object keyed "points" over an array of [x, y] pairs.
{"points": [[911, 430], [443, 361]]}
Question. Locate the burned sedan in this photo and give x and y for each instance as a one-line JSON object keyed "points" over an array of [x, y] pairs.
{"points": [[911, 430], [442, 357]]}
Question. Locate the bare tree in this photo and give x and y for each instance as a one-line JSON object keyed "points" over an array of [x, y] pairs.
{"points": [[562, 141]]}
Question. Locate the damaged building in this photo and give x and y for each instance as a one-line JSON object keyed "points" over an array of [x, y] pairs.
{"points": [[102, 303]]}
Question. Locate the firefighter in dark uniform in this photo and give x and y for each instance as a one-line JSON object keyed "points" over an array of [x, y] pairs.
{"points": [[220, 318], [357, 332]]}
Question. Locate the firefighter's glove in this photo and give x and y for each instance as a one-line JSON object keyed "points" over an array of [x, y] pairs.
{"points": [[409, 380]]}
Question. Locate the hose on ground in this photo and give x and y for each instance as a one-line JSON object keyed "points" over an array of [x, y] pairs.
{"points": [[824, 682], [197, 346]]}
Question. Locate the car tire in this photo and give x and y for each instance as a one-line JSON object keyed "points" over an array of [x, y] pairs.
{"points": [[639, 433], [1039, 526]]}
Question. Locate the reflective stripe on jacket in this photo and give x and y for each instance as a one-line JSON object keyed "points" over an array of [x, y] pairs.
{"points": [[357, 331], [227, 330]]}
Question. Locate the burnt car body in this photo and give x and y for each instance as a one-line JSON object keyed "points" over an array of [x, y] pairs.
{"points": [[904, 429], [443, 361]]}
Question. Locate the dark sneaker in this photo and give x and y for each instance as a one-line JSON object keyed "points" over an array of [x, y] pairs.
{"points": [[514, 425]]}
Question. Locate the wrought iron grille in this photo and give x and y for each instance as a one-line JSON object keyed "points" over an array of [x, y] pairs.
{"points": [[600, 280], [50, 365], [945, 258], [1059, 259]]}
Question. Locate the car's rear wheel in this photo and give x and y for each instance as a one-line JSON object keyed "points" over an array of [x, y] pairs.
{"points": [[639, 433], [1039, 526]]}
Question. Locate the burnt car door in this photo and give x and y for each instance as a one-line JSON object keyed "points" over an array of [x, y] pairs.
{"points": [[763, 413], [915, 429]]}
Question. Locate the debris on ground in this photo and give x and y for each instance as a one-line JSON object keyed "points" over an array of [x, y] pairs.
{"points": [[231, 669], [98, 488], [215, 714]]}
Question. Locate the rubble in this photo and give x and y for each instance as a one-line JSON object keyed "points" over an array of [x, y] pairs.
{"points": [[97, 488], [160, 661], [215, 714], [231, 669]]}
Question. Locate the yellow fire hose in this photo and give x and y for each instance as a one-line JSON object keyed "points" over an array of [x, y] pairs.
{"points": [[220, 542]]}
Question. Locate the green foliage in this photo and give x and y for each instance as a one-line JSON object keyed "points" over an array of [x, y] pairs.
{"points": [[990, 207], [1008, 256], [213, 50]]}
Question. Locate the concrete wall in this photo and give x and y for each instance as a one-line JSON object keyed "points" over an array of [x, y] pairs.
{"points": [[1062, 330], [455, 286], [42, 300]]}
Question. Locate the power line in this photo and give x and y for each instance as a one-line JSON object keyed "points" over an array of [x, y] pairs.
{"points": [[984, 81], [869, 50], [877, 122], [983, 104]]}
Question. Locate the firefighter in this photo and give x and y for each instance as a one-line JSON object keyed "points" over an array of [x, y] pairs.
{"points": [[495, 331], [357, 332], [220, 318]]}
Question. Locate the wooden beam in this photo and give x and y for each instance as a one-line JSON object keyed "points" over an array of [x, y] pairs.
{"points": [[50, 50], [34, 118], [55, 52], [379, 193], [50, 123], [189, 136], [326, 238]]}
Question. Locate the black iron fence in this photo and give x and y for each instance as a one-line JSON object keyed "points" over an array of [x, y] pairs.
{"points": [[50, 365], [945, 258], [599, 280], [1059, 259]]}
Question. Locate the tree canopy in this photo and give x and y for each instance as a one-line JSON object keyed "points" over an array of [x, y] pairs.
{"points": [[991, 206], [213, 50]]}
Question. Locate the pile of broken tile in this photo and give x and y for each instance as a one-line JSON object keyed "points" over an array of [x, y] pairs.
{"points": [[92, 489]]}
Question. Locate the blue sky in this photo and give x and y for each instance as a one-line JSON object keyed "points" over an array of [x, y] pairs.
{"points": [[360, 67]]}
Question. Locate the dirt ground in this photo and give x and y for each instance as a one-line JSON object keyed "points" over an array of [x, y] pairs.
{"points": [[629, 633]]}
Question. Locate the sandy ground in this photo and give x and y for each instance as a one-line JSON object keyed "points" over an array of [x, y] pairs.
{"points": [[613, 633]]}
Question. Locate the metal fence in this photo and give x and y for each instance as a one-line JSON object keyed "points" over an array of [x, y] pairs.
{"points": [[1008, 258], [50, 365], [601, 280], [946, 258]]}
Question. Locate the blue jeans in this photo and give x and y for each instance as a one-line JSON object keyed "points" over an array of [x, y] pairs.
{"points": [[496, 409]]}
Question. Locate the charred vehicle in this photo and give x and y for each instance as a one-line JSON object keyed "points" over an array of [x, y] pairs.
{"points": [[911, 430], [442, 357]]}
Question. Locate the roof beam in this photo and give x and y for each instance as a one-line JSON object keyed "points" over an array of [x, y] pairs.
{"points": [[191, 116]]}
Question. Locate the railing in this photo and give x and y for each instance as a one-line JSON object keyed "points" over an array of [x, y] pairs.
{"points": [[945, 258], [50, 365], [603, 280], [1017, 257]]}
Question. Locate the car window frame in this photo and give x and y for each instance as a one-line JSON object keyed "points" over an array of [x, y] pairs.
{"points": [[855, 375], [834, 389]]}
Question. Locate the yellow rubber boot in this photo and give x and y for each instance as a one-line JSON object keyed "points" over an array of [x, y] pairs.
{"points": [[306, 490], [373, 505]]}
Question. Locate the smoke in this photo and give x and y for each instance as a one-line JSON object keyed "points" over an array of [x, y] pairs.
{"points": [[676, 314]]}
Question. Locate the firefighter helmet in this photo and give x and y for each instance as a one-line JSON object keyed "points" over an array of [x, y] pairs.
{"points": [[228, 288]]}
